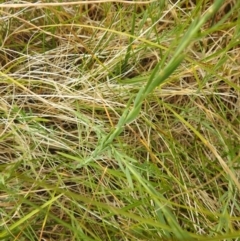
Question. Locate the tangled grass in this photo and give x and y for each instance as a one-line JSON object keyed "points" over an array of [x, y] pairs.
{"points": [[119, 120]]}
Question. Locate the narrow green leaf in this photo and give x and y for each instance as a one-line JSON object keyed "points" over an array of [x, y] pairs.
{"points": [[164, 74], [133, 114], [27, 217]]}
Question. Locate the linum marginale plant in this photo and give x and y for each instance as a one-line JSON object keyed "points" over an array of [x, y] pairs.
{"points": [[119, 120]]}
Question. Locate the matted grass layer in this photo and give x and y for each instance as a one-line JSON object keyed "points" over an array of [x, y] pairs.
{"points": [[120, 120]]}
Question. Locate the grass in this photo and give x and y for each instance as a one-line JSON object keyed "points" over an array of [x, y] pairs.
{"points": [[120, 120]]}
